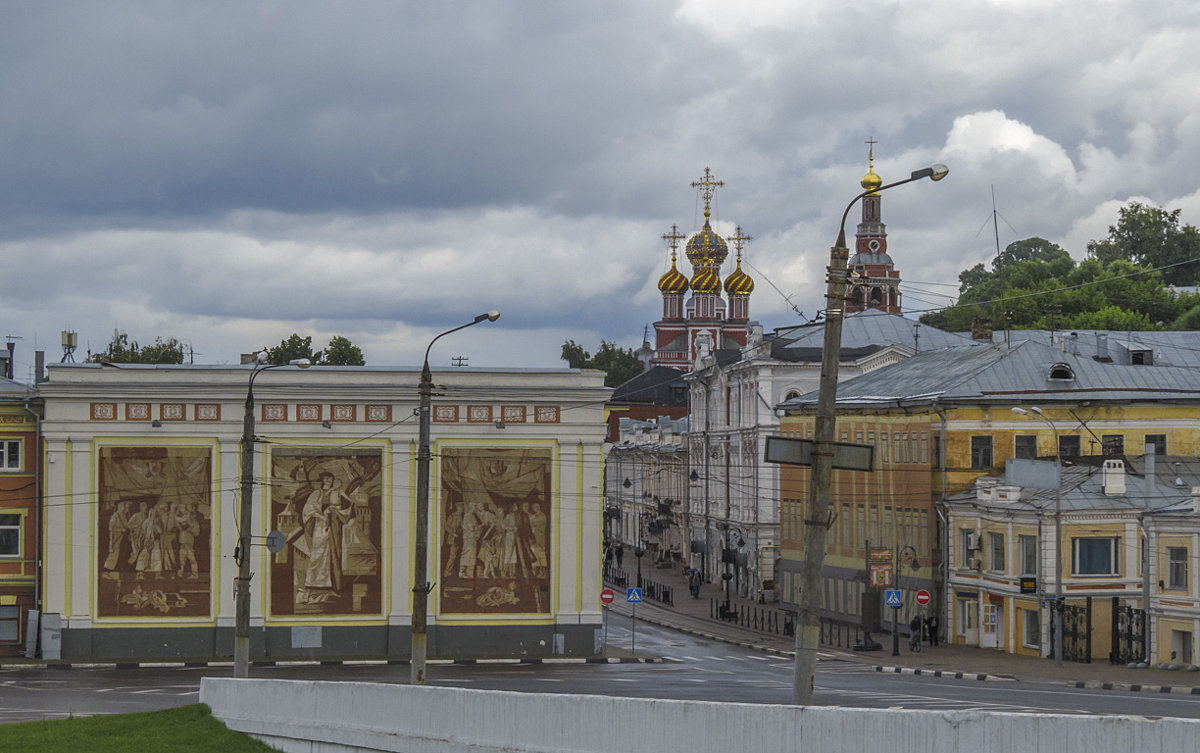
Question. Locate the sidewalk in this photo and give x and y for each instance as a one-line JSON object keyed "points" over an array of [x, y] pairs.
{"points": [[695, 616]]}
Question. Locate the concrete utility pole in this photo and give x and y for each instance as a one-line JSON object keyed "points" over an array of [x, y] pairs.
{"points": [[816, 526]]}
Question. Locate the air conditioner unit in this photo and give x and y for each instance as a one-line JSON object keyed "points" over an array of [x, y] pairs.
{"points": [[976, 563], [972, 540]]}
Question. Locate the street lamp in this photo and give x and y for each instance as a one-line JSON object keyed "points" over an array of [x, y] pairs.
{"points": [[421, 585], [819, 519], [1058, 577], [241, 553]]}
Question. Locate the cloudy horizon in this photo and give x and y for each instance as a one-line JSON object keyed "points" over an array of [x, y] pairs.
{"points": [[229, 173]]}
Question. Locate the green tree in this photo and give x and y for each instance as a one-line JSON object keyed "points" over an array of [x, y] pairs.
{"points": [[123, 350], [342, 352], [618, 364], [339, 352], [1151, 237]]}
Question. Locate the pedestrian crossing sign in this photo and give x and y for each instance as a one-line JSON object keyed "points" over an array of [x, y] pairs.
{"points": [[891, 597], [633, 596]]}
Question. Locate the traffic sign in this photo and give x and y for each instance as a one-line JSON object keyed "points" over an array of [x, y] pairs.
{"points": [[606, 596], [891, 597], [922, 597], [633, 596]]}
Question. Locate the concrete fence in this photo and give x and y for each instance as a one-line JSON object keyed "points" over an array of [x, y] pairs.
{"points": [[328, 717]]}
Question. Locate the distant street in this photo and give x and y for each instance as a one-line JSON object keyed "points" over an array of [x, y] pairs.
{"points": [[695, 669]]}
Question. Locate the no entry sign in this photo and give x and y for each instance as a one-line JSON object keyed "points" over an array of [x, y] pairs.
{"points": [[922, 597], [607, 596]]}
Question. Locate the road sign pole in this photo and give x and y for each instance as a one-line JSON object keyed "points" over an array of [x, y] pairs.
{"points": [[895, 631], [633, 630]]}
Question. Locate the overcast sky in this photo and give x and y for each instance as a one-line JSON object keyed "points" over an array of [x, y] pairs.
{"points": [[231, 172]]}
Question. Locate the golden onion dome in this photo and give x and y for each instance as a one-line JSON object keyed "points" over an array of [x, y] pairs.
{"points": [[871, 182], [673, 281], [739, 283], [706, 281], [706, 247]]}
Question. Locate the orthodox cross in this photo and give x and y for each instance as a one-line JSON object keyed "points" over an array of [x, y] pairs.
{"points": [[709, 187], [673, 238], [739, 240]]}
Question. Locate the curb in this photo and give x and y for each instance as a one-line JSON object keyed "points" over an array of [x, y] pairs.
{"points": [[1134, 687], [944, 673], [329, 663]]}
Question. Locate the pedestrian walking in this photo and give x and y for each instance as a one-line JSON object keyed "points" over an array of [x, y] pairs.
{"points": [[931, 626], [914, 633], [620, 555], [693, 581]]}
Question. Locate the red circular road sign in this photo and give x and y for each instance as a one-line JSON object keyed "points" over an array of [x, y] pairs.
{"points": [[607, 596], [922, 597]]}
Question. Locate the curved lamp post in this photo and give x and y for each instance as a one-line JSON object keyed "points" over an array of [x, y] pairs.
{"points": [[817, 526], [241, 554], [1058, 576], [421, 585]]}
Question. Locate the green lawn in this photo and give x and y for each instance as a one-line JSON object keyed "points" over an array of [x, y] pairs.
{"points": [[187, 729]]}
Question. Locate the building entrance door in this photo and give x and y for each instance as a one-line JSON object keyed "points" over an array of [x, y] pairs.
{"points": [[991, 626], [968, 621]]}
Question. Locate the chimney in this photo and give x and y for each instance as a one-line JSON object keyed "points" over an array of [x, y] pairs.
{"points": [[1102, 348], [981, 329], [1114, 477], [1074, 349], [39, 366]]}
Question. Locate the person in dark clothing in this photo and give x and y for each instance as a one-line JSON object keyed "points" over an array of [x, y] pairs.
{"points": [[620, 554], [931, 628], [914, 633]]}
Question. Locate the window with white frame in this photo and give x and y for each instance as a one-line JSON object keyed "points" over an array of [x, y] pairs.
{"points": [[996, 552], [10, 455], [1177, 567], [1027, 547], [966, 537], [1095, 556], [10, 535], [1031, 628]]}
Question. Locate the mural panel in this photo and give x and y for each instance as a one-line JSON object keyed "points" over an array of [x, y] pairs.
{"points": [[328, 504], [495, 548], [155, 532]]}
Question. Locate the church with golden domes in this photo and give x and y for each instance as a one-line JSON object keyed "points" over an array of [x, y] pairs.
{"points": [[874, 282], [707, 321]]}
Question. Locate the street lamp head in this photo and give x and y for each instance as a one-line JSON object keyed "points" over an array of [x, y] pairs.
{"points": [[491, 316], [303, 363], [1036, 410], [933, 172], [1020, 411]]}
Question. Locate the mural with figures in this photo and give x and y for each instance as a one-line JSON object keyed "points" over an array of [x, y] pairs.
{"points": [[495, 548], [154, 532], [328, 504]]}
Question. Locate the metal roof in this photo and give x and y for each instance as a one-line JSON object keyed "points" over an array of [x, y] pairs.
{"points": [[865, 329], [1025, 371], [1174, 348]]}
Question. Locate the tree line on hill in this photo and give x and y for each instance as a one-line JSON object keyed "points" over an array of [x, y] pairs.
{"points": [[121, 349], [1123, 284]]}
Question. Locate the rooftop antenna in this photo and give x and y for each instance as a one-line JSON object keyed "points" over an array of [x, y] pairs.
{"points": [[995, 220], [70, 341], [460, 360], [917, 338]]}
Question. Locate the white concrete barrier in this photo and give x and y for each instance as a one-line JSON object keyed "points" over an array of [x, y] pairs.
{"points": [[327, 717]]}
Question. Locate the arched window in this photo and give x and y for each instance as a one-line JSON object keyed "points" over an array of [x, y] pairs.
{"points": [[1061, 372]]}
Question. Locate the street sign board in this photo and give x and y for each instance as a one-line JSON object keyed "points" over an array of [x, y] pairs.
{"points": [[923, 597], [891, 597], [607, 596], [846, 455], [633, 596], [881, 574], [1028, 585]]}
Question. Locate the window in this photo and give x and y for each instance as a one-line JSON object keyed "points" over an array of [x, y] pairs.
{"points": [[10, 535], [1113, 444], [1031, 632], [1176, 567], [883, 447], [981, 452], [1095, 556], [1141, 357], [937, 451], [1068, 446], [966, 537], [1026, 446], [1159, 441], [10, 455], [1028, 552], [996, 552], [10, 624]]}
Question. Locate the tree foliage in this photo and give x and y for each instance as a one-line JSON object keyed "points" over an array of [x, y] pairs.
{"points": [[1035, 284], [123, 350], [339, 352], [618, 364]]}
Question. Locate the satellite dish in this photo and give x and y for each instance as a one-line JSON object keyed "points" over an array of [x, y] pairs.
{"points": [[275, 542]]}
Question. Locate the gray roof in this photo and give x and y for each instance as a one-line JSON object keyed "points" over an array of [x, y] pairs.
{"points": [[1082, 489], [871, 328], [1022, 372], [1174, 348]]}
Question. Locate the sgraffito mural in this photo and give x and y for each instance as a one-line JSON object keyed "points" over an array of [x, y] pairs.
{"points": [[154, 532], [328, 504], [495, 548]]}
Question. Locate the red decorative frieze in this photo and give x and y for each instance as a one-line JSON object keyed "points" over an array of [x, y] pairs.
{"points": [[274, 412], [479, 414], [446, 414], [308, 412], [172, 411], [546, 414], [208, 411], [343, 412], [512, 414], [137, 411], [379, 413]]}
